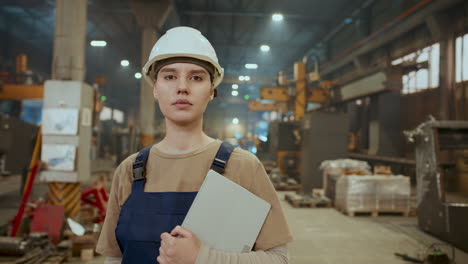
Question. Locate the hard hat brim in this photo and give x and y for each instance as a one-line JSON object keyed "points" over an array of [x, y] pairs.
{"points": [[149, 76]]}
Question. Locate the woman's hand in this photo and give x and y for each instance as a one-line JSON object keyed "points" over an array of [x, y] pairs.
{"points": [[181, 246]]}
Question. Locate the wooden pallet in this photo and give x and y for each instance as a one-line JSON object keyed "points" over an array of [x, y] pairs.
{"points": [[375, 213], [295, 187], [297, 201]]}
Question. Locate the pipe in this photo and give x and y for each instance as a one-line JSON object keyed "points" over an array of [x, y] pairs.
{"points": [[379, 31], [343, 23], [14, 246]]}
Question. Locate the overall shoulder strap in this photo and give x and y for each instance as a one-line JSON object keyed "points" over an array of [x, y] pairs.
{"points": [[222, 157], [139, 165]]}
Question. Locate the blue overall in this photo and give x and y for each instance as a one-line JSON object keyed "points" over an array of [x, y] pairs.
{"points": [[146, 215]]}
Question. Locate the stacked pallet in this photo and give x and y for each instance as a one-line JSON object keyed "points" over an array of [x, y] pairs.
{"points": [[287, 187], [333, 170], [373, 194]]}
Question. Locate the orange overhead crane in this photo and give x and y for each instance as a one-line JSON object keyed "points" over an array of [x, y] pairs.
{"points": [[299, 95], [21, 92], [16, 91], [304, 88], [10, 89]]}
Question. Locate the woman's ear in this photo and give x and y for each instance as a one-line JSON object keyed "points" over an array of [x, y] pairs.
{"points": [[212, 92]]}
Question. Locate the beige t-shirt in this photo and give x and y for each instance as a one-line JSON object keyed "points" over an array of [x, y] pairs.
{"points": [[185, 173]]}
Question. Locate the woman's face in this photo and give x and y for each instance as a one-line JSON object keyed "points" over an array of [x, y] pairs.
{"points": [[183, 91]]}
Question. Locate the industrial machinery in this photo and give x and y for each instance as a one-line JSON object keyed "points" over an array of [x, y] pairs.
{"points": [[284, 140], [442, 206], [374, 122], [294, 95], [16, 144], [17, 136], [21, 84]]}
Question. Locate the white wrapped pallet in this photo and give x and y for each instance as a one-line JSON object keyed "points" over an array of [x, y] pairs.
{"points": [[332, 170], [373, 194]]}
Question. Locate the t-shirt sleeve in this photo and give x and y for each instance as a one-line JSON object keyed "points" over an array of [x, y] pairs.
{"points": [[275, 231], [107, 243]]}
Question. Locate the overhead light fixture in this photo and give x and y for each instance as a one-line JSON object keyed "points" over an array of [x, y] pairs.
{"points": [[235, 93], [138, 75], [277, 17], [244, 78], [251, 66], [98, 43], [124, 63], [265, 48], [235, 86], [235, 121]]}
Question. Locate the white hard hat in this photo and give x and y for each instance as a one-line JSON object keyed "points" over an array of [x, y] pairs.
{"points": [[183, 42]]}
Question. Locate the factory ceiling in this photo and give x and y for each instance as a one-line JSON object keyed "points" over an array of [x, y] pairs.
{"points": [[236, 28]]}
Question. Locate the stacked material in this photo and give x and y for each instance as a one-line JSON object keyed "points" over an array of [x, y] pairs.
{"points": [[332, 170], [373, 194]]}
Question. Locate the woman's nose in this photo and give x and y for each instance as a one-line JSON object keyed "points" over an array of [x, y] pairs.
{"points": [[182, 86]]}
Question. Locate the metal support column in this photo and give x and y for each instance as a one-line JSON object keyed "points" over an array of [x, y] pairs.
{"points": [[446, 75], [150, 15], [68, 102], [70, 40]]}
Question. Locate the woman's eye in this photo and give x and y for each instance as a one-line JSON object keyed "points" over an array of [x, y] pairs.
{"points": [[197, 78], [169, 77]]}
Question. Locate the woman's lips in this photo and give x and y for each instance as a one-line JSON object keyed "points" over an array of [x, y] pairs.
{"points": [[182, 102]]}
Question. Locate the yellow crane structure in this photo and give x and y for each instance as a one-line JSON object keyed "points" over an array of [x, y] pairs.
{"points": [[294, 95]]}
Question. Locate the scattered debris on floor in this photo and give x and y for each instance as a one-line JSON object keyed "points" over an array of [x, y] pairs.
{"points": [[313, 201], [43, 233], [282, 182]]}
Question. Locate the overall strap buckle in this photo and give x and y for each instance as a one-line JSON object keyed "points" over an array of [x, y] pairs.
{"points": [[222, 157], [139, 165]]}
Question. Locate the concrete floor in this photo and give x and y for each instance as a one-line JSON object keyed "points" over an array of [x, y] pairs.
{"points": [[322, 235], [326, 236]]}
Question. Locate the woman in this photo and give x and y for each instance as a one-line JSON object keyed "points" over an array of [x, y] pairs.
{"points": [[153, 190]]}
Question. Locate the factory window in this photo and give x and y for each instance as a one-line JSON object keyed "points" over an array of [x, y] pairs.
{"points": [[461, 58], [118, 116], [424, 78], [111, 114], [106, 114]]}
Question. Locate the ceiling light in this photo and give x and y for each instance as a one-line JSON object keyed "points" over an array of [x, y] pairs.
{"points": [[235, 121], [241, 78], [277, 17], [138, 75], [124, 63], [265, 48], [251, 66], [235, 86], [246, 78], [98, 43], [235, 93]]}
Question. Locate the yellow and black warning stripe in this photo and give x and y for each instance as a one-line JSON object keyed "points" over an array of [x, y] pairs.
{"points": [[67, 195]]}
